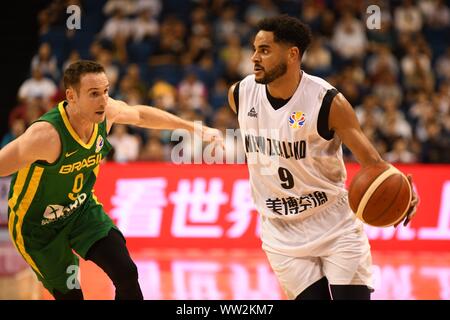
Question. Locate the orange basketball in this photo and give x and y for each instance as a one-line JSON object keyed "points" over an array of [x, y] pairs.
{"points": [[379, 195]]}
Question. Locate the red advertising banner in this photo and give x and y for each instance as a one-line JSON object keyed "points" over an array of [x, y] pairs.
{"points": [[167, 205]]}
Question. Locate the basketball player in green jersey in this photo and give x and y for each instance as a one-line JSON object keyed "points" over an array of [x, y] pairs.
{"points": [[52, 209]]}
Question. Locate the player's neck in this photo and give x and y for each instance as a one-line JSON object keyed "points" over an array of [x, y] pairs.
{"points": [[82, 126], [285, 86]]}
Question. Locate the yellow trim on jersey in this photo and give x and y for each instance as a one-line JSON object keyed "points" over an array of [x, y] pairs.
{"points": [[96, 170], [95, 198], [17, 190], [22, 211], [12, 216], [72, 132], [18, 186]]}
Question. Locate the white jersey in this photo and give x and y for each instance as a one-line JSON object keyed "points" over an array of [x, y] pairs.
{"points": [[294, 171]]}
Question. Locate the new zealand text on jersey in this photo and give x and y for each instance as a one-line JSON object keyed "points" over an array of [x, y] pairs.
{"points": [[272, 147]]}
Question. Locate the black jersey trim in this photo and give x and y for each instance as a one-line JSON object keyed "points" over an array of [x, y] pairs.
{"points": [[236, 96], [324, 114], [276, 103]]}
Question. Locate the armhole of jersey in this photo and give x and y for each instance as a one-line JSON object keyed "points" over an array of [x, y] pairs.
{"points": [[43, 163], [236, 97], [324, 113]]}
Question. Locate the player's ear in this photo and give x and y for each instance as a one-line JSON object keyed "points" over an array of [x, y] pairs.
{"points": [[70, 94], [294, 53]]}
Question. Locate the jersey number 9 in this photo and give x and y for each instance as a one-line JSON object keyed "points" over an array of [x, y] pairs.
{"points": [[287, 180]]}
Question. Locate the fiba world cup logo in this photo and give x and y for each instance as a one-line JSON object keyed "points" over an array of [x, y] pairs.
{"points": [[297, 119], [99, 144]]}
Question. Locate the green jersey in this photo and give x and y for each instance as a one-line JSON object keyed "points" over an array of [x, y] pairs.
{"points": [[48, 194]]}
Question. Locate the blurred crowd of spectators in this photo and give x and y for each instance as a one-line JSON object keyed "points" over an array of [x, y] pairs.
{"points": [[182, 56]]}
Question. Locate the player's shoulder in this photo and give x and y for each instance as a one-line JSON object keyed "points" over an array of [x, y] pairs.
{"points": [[42, 133], [113, 103], [248, 81], [41, 127], [316, 82], [113, 108]]}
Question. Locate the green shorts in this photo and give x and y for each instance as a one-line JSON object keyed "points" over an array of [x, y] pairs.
{"points": [[51, 247]]}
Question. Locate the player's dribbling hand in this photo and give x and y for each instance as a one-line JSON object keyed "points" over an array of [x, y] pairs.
{"points": [[412, 206]]}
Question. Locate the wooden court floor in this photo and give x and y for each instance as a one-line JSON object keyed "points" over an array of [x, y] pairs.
{"points": [[235, 274]]}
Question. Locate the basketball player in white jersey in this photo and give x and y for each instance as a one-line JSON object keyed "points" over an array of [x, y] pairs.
{"points": [[295, 122]]}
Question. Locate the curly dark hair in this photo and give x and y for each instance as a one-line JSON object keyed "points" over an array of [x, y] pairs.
{"points": [[287, 29], [74, 72]]}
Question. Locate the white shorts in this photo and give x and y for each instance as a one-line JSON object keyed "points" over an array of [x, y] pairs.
{"points": [[330, 243]]}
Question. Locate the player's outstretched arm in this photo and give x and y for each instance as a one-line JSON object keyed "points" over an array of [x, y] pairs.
{"points": [[152, 118], [39, 142], [343, 121]]}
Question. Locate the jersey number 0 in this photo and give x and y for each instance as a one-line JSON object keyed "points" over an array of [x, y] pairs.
{"points": [[77, 186]]}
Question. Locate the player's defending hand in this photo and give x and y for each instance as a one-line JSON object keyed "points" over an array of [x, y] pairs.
{"points": [[215, 137], [412, 207], [212, 135]]}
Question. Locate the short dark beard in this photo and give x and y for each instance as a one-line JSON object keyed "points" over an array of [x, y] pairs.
{"points": [[276, 72]]}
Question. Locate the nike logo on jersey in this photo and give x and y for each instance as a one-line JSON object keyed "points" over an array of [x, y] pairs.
{"points": [[252, 113], [68, 154]]}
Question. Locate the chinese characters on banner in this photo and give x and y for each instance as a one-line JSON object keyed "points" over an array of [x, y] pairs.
{"points": [[165, 205], [139, 205]]}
